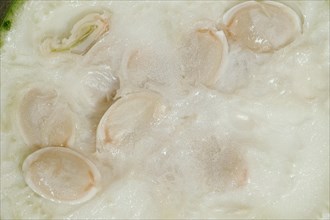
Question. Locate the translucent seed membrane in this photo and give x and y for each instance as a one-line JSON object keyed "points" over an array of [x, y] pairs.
{"points": [[143, 66], [225, 165], [61, 175], [232, 170], [262, 26], [45, 120], [204, 56], [127, 117], [84, 34]]}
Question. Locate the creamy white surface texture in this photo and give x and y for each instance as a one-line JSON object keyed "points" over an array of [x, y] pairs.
{"points": [[180, 118]]}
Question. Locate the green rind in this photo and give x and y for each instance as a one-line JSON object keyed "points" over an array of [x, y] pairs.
{"points": [[9, 18]]}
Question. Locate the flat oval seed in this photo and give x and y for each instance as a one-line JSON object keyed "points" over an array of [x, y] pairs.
{"points": [[61, 175], [262, 26]]}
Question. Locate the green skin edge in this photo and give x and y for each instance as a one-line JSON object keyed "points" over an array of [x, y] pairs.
{"points": [[9, 18]]}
